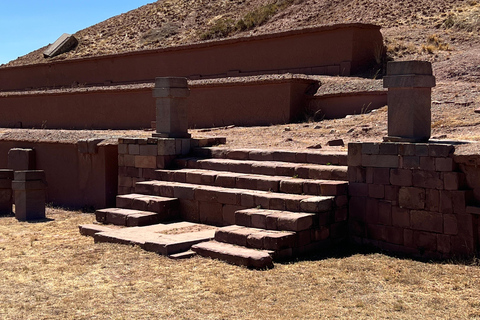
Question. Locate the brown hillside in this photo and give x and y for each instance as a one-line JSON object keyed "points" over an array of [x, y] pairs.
{"points": [[410, 27]]}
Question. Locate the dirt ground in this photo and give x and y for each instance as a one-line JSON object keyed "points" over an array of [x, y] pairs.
{"points": [[49, 271]]}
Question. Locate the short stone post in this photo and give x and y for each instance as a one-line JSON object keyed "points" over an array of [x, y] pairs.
{"points": [[29, 187], [171, 107], [6, 196], [21, 159], [409, 86]]}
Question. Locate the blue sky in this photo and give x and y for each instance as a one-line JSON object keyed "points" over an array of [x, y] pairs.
{"points": [[26, 25]]}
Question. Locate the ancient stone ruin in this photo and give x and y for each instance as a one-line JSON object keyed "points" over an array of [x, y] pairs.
{"points": [[179, 196]]}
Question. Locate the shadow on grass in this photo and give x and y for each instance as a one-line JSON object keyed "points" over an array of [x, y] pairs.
{"points": [[12, 215], [349, 250]]}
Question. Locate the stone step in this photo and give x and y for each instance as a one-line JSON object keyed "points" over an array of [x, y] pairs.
{"points": [[307, 156], [275, 219], [166, 208], [127, 217], [255, 181], [256, 238], [237, 255], [165, 239], [269, 168], [91, 229], [217, 205]]}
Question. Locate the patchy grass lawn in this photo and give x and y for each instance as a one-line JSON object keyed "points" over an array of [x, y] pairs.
{"points": [[49, 271]]}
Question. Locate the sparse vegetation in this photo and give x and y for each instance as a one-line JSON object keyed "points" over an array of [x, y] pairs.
{"points": [[467, 18], [226, 26], [399, 48], [435, 43]]}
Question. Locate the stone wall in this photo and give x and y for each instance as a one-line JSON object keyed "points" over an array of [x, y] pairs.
{"points": [[211, 104], [410, 198], [80, 174], [341, 49], [138, 158]]}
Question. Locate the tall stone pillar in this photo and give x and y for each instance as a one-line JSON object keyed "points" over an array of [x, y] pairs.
{"points": [[171, 107], [409, 86]]}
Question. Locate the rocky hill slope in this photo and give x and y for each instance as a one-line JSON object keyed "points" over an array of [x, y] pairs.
{"points": [[432, 30]]}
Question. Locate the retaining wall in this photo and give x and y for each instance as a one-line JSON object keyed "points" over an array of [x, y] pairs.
{"points": [[336, 106], [412, 198], [79, 174], [341, 49], [244, 102]]}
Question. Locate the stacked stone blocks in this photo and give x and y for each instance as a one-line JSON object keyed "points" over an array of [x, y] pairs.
{"points": [[29, 187], [410, 198]]}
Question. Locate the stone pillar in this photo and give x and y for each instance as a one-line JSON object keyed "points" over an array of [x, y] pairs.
{"points": [[21, 159], [29, 187], [171, 107], [6, 197], [409, 86]]}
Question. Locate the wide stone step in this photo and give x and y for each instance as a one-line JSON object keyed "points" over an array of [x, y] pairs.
{"points": [[275, 219], [255, 181], [166, 208], [128, 217], [165, 239], [256, 238], [217, 205], [237, 255], [269, 168], [310, 156]]}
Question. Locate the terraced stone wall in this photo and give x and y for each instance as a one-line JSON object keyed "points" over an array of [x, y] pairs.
{"points": [[211, 104], [412, 198], [341, 49]]}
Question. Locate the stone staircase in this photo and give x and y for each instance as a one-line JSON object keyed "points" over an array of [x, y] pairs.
{"points": [[247, 207]]}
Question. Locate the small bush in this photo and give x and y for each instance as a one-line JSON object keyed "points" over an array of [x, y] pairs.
{"points": [[257, 17], [467, 19], [221, 29], [435, 43], [224, 27]]}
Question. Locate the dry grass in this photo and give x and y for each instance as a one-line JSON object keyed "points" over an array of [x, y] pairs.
{"points": [[49, 271]]}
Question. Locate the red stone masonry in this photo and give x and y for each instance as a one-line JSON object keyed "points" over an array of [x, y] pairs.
{"points": [[412, 198]]}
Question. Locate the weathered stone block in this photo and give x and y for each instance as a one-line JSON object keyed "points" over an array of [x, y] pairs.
{"points": [[370, 148], [378, 175], [426, 221], [427, 163], [432, 200], [385, 213], [411, 198], [443, 243], [65, 43], [400, 217], [356, 174], [21, 159], [146, 162], [409, 162], [358, 189], [394, 235], [427, 179], [440, 150], [450, 224], [401, 177], [425, 240], [453, 180], [444, 164], [380, 161], [376, 191]]}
